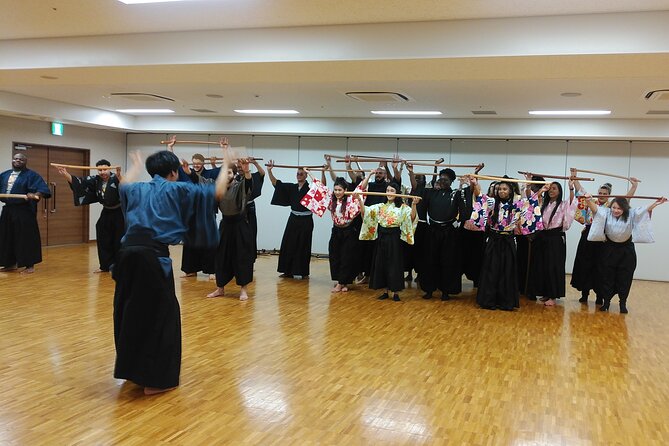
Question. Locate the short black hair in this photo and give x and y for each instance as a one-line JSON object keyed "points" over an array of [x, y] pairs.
{"points": [[103, 162], [450, 173], [162, 163]]}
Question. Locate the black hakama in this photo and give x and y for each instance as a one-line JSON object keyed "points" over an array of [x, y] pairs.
{"points": [[109, 231], [295, 255], [343, 254], [472, 246], [420, 248], [523, 257], [20, 242], [618, 263], [586, 273], [236, 251], [387, 270], [498, 287], [442, 271], [198, 259], [547, 268], [147, 324]]}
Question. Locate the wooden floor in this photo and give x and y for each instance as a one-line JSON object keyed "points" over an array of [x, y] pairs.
{"points": [[296, 365]]}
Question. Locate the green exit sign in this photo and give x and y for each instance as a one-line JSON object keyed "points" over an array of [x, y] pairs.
{"points": [[57, 128]]}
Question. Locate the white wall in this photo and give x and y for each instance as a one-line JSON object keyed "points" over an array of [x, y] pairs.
{"points": [[102, 144]]}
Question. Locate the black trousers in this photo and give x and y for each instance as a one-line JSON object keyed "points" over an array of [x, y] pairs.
{"points": [[618, 265], [147, 321], [295, 255], [547, 268], [498, 286], [20, 242], [387, 265], [236, 251], [343, 253], [108, 231], [586, 274], [442, 271]]}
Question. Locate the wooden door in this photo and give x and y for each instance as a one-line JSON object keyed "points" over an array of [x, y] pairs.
{"points": [[60, 222]]}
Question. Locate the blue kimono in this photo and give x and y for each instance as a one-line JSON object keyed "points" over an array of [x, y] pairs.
{"points": [[20, 242]]}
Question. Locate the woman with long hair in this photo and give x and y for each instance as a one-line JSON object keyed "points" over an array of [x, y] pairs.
{"points": [[389, 224], [549, 248], [621, 226], [500, 216], [344, 243]]}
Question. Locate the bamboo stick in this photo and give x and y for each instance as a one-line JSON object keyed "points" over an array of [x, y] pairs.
{"points": [[509, 180], [367, 160], [24, 196], [559, 177], [286, 166], [641, 197], [382, 194], [605, 174], [447, 165], [208, 143], [84, 167]]}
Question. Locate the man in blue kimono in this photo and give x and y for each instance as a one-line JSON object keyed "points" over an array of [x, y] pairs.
{"points": [[20, 243]]}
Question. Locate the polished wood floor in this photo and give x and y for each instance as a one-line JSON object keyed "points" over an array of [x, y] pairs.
{"points": [[296, 365]]}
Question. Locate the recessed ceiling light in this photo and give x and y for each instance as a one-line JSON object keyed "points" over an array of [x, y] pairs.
{"points": [[570, 112], [406, 113], [569, 94], [51, 78], [215, 96], [153, 111], [268, 112]]}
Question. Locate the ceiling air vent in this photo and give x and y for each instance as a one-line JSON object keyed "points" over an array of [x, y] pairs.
{"points": [[658, 95], [484, 112], [202, 110], [142, 97], [378, 96], [657, 112]]}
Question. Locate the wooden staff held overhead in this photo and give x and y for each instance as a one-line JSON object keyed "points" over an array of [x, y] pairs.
{"points": [[367, 160], [508, 180], [382, 194], [472, 166], [641, 197], [558, 177], [605, 174], [208, 143], [68, 166], [286, 166]]}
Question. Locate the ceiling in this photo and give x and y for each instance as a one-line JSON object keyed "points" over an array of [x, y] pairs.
{"points": [[458, 57]]}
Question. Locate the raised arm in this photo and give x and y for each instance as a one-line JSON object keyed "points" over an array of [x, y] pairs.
{"points": [[63, 171], [657, 203], [171, 142], [270, 166], [135, 169], [222, 178], [397, 168], [412, 176], [328, 167], [591, 204], [577, 184], [635, 183], [414, 202], [259, 168], [365, 182]]}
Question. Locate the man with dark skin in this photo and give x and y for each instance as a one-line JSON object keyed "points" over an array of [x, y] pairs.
{"points": [[20, 243]]}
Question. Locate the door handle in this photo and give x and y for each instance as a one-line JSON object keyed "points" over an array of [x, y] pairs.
{"points": [[53, 196]]}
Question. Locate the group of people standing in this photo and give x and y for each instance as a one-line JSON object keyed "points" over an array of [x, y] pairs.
{"points": [[507, 241]]}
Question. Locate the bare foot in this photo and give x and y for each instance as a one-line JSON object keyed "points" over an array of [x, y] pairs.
{"points": [[188, 275], [28, 270], [550, 303], [212, 276], [98, 271], [243, 296], [155, 390], [344, 289], [8, 269], [217, 293], [336, 288]]}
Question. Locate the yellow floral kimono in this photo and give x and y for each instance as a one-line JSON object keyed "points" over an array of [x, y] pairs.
{"points": [[389, 216]]}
